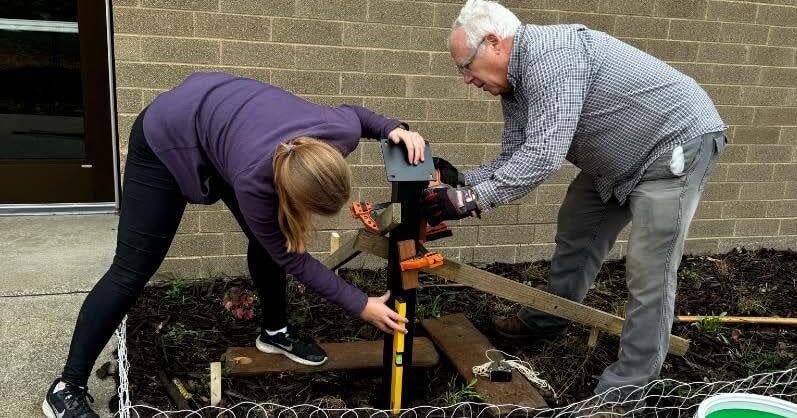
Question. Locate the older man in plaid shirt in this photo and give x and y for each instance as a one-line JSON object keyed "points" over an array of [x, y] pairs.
{"points": [[645, 137]]}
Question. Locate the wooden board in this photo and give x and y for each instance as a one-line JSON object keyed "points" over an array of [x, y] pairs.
{"points": [[520, 293], [406, 250], [465, 347], [248, 361], [388, 220]]}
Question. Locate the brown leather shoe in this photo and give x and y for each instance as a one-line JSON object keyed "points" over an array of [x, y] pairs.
{"points": [[512, 327]]}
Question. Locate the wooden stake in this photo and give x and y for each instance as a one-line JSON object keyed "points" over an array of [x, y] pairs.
{"points": [[334, 242], [763, 320], [406, 250], [594, 333], [215, 383]]}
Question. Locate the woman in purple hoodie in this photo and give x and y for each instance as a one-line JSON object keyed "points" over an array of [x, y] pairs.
{"points": [[275, 160]]}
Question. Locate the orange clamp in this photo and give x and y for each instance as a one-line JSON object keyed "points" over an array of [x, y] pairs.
{"points": [[428, 260], [363, 211]]}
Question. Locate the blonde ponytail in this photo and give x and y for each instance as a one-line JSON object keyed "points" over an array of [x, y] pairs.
{"points": [[311, 177]]}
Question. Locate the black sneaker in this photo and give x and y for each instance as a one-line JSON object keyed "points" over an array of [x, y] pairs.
{"points": [[68, 401], [302, 351]]}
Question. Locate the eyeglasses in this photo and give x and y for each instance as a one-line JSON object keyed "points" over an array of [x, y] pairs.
{"points": [[463, 66]]}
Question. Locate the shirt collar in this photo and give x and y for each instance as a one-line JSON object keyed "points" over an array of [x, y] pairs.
{"points": [[516, 57]]}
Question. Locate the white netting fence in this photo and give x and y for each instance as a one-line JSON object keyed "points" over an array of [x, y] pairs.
{"points": [[660, 398]]}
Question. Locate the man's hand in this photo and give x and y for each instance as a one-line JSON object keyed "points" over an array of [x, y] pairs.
{"points": [[447, 173], [412, 140], [379, 315], [446, 203]]}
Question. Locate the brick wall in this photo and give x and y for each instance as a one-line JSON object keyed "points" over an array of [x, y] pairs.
{"points": [[391, 56]]}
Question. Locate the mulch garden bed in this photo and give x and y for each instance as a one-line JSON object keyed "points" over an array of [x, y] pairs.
{"points": [[182, 327]]}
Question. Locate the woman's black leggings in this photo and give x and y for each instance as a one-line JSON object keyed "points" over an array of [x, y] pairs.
{"points": [[151, 209]]}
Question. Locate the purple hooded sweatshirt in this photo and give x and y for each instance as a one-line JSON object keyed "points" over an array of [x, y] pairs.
{"points": [[216, 128]]}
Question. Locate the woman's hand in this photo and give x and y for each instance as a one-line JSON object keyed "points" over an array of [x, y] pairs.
{"points": [[412, 140], [379, 315]]}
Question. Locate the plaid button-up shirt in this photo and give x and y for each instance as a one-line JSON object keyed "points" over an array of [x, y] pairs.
{"points": [[605, 106]]}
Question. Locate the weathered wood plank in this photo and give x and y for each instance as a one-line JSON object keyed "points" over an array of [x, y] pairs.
{"points": [[465, 347], [520, 293], [248, 361], [388, 220]]}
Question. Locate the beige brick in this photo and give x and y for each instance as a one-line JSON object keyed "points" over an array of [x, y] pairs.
{"points": [[189, 224], [724, 95], [538, 214], [785, 172], [700, 72], [307, 82], [153, 22], [329, 58], [785, 77], [428, 39], [494, 254], [750, 172], [464, 236], [218, 221], [190, 51], [128, 100], [627, 7], [371, 176], [692, 9], [767, 96], [401, 12], [726, 11], [780, 36], [444, 14], [788, 226], [755, 135], [183, 267], [783, 243], [743, 209], [404, 109], [734, 74], [131, 3], [743, 33], [235, 243], [510, 234], [788, 136], [772, 56], [257, 54], [782, 209], [461, 154], [709, 210], [442, 64], [127, 48], [151, 75], [575, 5], [485, 132], [737, 115], [371, 153], [701, 246], [306, 31], [551, 193], [227, 26], [196, 245], [376, 36], [638, 43], [374, 85], [711, 228], [565, 175], [769, 154], [501, 215], [544, 233], [261, 74], [441, 132], [777, 15], [259, 7], [535, 252], [350, 10], [458, 110], [723, 53], [496, 113], [762, 191], [437, 87], [690, 30], [721, 191], [193, 5], [396, 62], [673, 50], [537, 17], [775, 116], [228, 265], [642, 27], [601, 22]]}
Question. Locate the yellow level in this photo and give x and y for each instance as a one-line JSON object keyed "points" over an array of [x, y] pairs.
{"points": [[397, 372]]}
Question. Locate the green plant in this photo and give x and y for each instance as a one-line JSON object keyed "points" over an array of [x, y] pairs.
{"points": [[690, 276], [175, 292], [749, 303], [178, 334], [457, 392], [430, 310], [756, 360], [711, 324]]}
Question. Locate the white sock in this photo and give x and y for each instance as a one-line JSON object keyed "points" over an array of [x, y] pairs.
{"points": [[59, 387], [283, 330]]}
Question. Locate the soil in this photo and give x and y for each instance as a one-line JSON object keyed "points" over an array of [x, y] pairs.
{"points": [[182, 327]]}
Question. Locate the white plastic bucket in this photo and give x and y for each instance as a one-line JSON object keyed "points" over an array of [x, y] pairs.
{"points": [[748, 402]]}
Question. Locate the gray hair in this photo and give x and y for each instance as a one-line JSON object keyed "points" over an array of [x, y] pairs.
{"points": [[481, 17]]}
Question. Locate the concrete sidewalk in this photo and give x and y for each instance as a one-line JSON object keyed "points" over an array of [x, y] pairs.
{"points": [[47, 265]]}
